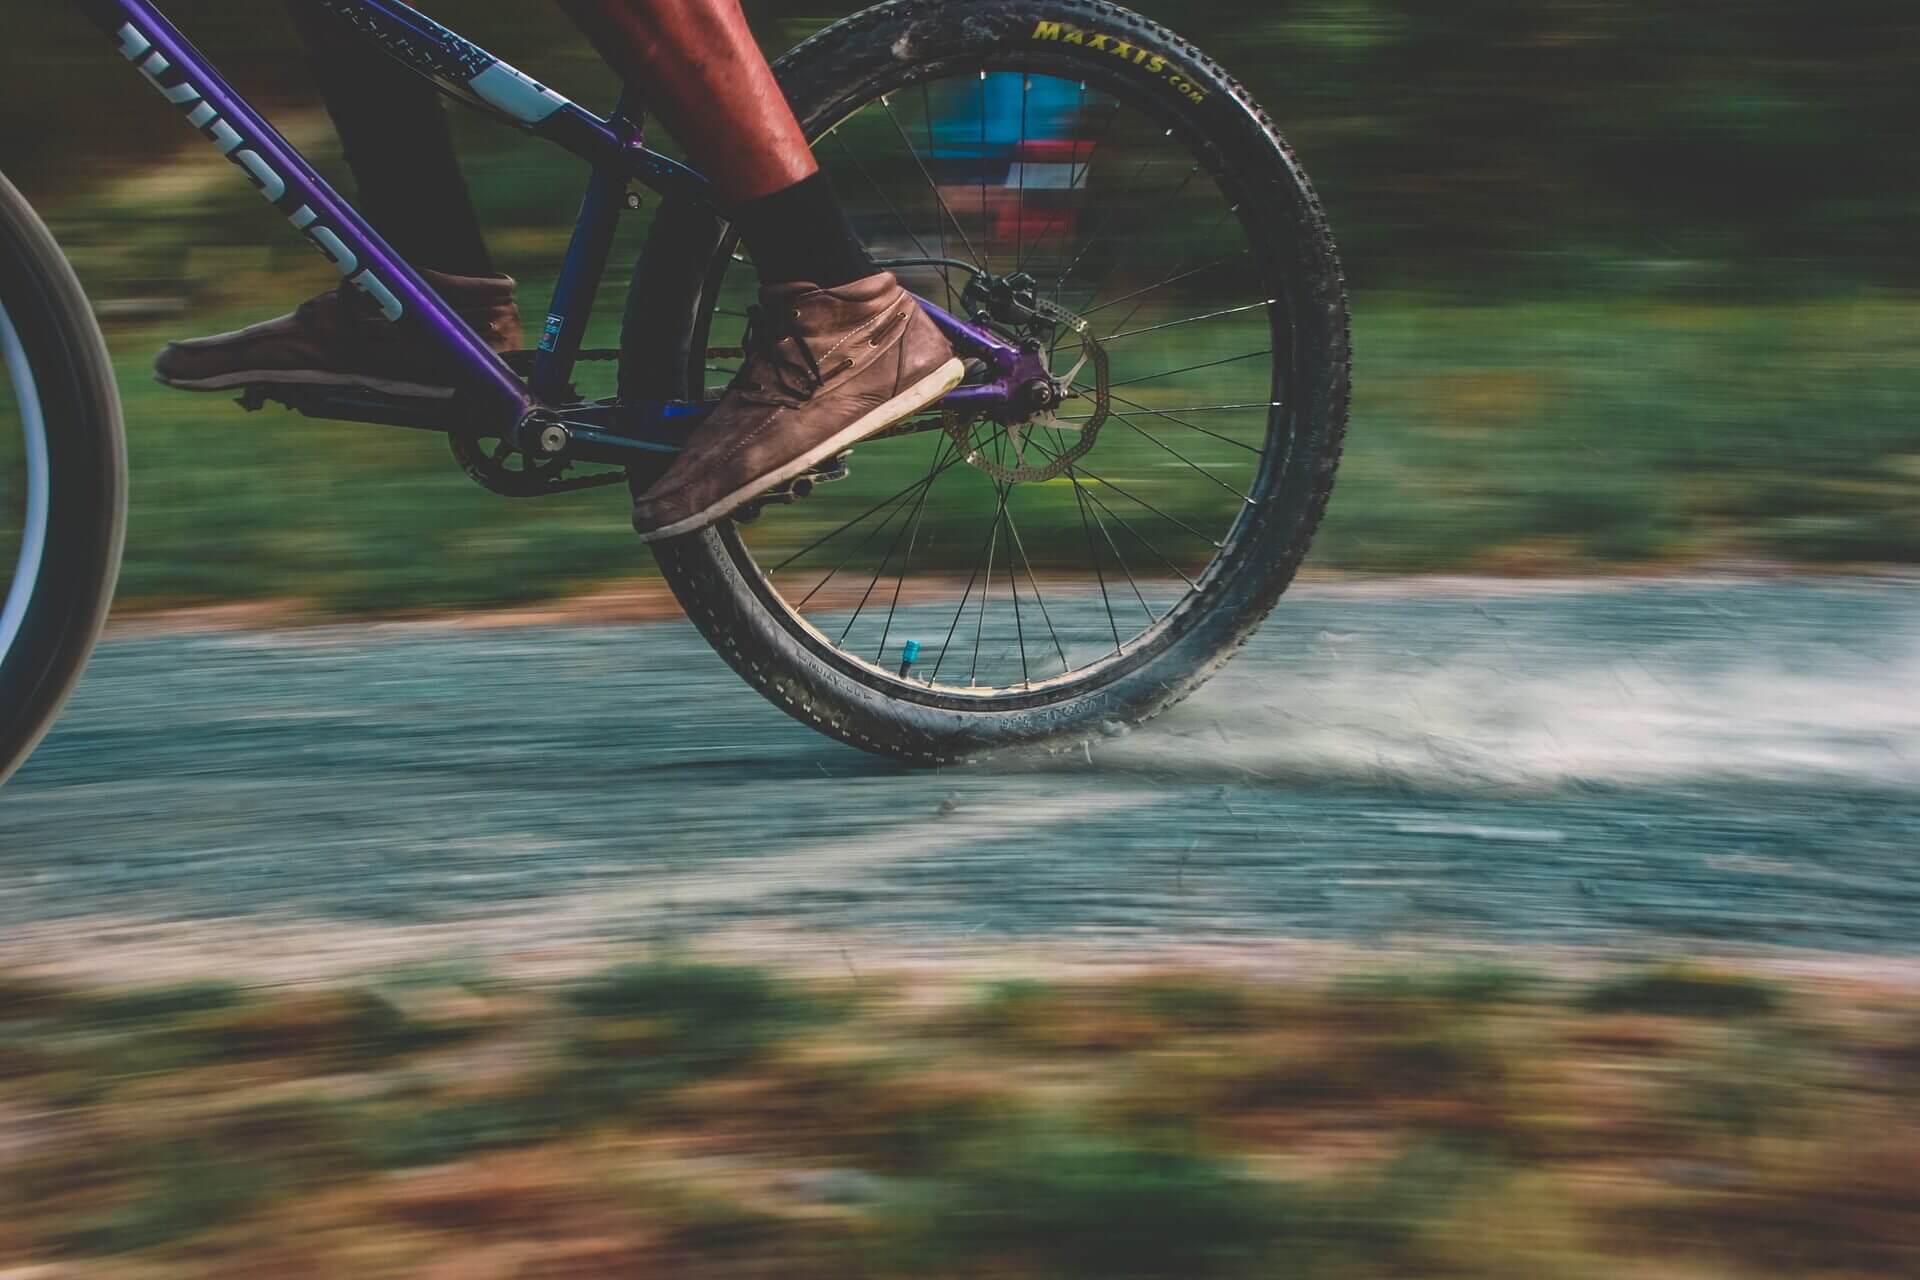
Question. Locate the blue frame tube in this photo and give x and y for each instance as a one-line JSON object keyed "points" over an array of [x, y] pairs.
{"points": [[500, 401], [580, 275]]}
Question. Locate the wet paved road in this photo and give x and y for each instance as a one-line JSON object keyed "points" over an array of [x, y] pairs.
{"points": [[1635, 765]]}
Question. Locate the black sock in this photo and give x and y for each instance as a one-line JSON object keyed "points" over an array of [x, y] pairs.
{"points": [[395, 135], [802, 233]]}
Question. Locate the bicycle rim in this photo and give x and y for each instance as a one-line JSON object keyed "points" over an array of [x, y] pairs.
{"points": [[1121, 220], [24, 483]]}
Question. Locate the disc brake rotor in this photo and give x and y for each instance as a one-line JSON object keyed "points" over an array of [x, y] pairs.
{"points": [[961, 428]]}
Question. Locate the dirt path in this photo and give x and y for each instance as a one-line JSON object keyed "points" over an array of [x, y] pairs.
{"points": [[1629, 766]]}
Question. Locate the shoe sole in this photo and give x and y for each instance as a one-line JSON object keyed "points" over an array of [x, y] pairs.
{"points": [[286, 378], [912, 400]]}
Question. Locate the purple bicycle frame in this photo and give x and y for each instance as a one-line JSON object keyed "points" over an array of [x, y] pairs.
{"points": [[494, 397]]}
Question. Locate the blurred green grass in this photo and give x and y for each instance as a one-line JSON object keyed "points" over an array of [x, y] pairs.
{"points": [[1509, 438]]}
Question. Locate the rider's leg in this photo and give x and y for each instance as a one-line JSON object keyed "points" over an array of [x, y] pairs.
{"points": [[394, 133], [701, 72], [840, 350]]}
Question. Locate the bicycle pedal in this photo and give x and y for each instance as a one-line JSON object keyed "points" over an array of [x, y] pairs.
{"points": [[351, 404], [826, 471], [829, 470]]}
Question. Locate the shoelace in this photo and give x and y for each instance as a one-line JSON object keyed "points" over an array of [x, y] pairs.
{"points": [[768, 333]]}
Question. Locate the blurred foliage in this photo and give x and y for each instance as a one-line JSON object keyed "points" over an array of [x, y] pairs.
{"points": [[1682, 989], [1425, 1123], [1727, 142], [159, 1004]]}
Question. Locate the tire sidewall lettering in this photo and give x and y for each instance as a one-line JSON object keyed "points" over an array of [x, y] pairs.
{"points": [[1141, 58]]}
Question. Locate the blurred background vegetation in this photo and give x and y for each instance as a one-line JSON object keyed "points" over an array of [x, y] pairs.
{"points": [[720, 1122], [1633, 286]]}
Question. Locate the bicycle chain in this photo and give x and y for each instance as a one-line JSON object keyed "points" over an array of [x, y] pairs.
{"points": [[960, 427]]}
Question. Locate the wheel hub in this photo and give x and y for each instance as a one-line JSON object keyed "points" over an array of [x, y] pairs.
{"points": [[1045, 328]]}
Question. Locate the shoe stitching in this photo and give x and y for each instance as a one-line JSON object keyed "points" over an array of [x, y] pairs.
{"points": [[885, 312], [742, 440]]}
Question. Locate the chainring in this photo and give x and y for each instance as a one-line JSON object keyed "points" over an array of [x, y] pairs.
{"points": [[496, 466]]}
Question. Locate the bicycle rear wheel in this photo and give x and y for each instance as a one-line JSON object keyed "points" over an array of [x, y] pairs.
{"points": [[976, 586], [62, 479]]}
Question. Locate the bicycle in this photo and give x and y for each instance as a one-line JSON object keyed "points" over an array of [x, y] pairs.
{"points": [[1049, 244]]}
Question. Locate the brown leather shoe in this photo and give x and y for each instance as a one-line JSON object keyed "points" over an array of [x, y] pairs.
{"points": [[825, 369], [341, 339]]}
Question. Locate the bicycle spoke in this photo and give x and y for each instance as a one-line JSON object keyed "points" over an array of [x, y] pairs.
{"points": [[1115, 265], [1005, 490], [858, 547], [1060, 281], [1087, 307], [1172, 279], [1175, 324], [1093, 553], [1020, 159], [947, 644], [913, 524], [1013, 586], [1172, 520], [1014, 531], [884, 199], [926, 120], [1182, 457], [863, 515], [831, 534], [1140, 538], [923, 485], [986, 237], [1082, 494], [931, 184], [1073, 164], [1112, 212], [1122, 562], [986, 587], [906, 565], [1188, 408], [1170, 373], [1077, 172], [1142, 411]]}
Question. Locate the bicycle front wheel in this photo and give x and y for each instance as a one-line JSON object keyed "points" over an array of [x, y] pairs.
{"points": [[62, 479], [963, 587]]}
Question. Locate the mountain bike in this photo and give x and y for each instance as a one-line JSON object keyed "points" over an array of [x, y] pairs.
{"points": [[1109, 229]]}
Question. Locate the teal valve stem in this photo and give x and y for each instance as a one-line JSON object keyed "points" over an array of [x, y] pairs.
{"points": [[909, 654]]}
